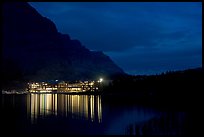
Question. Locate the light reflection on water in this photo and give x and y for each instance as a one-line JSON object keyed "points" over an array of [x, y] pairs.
{"points": [[64, 114], [76, 106]]}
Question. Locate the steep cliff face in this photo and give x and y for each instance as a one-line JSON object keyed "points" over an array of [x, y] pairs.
{"points": [[37, 51]]}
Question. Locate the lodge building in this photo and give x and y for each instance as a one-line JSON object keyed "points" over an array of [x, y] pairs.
{"points": [[62, 86]]}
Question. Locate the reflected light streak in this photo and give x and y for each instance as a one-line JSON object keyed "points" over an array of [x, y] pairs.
{"points": [[99, 109], [55, 100], [92, 108], [76, 106]]}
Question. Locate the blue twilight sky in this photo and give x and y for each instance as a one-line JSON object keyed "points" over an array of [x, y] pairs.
{"points": [[140, 37]]}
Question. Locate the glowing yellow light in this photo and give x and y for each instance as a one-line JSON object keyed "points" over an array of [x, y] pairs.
{"points": [[100, 80]]}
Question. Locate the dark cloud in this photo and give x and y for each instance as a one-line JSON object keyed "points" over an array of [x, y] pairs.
{"points": [[145, 34]]}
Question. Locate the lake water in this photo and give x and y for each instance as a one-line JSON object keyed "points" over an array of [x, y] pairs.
{"points": [[60, 114]]}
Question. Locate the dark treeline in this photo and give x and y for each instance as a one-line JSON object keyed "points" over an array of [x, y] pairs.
{"points": [[171, 86]]}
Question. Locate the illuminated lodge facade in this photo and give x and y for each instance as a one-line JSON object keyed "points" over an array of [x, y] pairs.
{"points": [[62, 87]]}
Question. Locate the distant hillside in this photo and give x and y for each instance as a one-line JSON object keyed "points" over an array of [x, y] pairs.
{"points": [[168, 81], [33, 49], [175, 89]]}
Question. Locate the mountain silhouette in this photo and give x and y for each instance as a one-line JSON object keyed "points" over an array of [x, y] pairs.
{"points": [[34, 50]]}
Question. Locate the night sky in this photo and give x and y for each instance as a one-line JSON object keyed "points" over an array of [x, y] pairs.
{"points": [[141, 38]]}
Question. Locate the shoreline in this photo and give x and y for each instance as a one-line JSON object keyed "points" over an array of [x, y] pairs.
{"points": [[71, 93]]}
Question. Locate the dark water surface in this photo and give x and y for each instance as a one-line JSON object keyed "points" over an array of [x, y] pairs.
{"points": [[60, 114]]}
